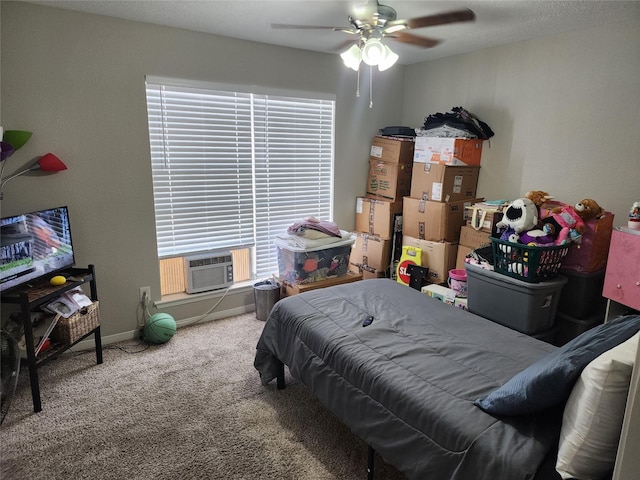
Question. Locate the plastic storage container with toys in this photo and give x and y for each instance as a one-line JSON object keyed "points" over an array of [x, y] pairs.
{"points": [[299, 265], [526, 307]]}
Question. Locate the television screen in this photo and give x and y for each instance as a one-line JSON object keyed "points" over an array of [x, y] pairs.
{"points": [[34, 245]]}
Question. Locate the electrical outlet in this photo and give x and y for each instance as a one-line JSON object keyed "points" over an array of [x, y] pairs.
{"points": [[145, 295]]}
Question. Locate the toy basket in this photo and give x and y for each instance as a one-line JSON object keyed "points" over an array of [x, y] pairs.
{"points": [[528, 263], [68, 330]]}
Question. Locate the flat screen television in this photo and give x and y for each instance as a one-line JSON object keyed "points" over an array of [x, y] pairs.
{"points": [[34, 245]]}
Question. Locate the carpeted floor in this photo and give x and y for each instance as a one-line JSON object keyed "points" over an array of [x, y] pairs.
{"points": [[191, 408]]}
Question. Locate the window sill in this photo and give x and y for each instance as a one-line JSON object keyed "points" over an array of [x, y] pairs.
{"points": [[185, 298]]}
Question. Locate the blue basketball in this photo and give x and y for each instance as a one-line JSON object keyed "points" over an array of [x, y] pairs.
{"points": [[159, 328]]}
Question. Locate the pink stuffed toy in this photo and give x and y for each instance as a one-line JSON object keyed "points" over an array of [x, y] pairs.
{"points": [[568, 223]]}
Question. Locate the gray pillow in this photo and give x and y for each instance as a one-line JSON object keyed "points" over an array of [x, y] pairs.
{"points": [[548, 382]]}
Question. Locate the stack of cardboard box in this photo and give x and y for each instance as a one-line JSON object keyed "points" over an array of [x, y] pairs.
{"points": [[379, 213], [444, 182]]}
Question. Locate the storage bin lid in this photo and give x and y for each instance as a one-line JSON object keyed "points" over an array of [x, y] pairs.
{"points": [[347, 240]]}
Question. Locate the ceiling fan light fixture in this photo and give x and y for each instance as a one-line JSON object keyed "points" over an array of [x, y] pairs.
{"points": [[373, 51], [352, 57], [389, 59]]}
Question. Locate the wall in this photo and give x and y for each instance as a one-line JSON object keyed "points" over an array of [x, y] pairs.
{"points": [[77, 81], [565, 111]]}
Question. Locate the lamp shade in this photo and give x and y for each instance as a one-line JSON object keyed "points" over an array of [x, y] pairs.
{"points": [[352, 57], [373, 51], [50, 163], [389, 60], [17, 138], [7, 150]]}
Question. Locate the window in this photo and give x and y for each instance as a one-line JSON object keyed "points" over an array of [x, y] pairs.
{"points": [[233, 169]]}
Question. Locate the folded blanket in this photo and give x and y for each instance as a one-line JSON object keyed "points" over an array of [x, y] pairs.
{"points": [[312, 223], [298, 241]]}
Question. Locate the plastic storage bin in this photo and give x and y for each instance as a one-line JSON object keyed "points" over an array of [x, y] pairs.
{"points": [[570, 327], [527, 307], [582, 295], [299, 265], [526, 262]]}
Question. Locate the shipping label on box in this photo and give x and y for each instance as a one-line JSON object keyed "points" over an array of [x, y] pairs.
{"points": [[377, 217], [371, 252], [392, 150], [443, 183], [438, 257], [390, 181], [447, 151], [435, 221]]}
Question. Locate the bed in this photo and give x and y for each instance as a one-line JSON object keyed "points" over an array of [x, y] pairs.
{"points": [[405, 372]]}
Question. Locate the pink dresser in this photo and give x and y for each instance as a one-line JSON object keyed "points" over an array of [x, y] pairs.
{"points": [[622, 277]]}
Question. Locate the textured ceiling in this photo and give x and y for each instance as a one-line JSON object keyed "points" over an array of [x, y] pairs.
{"points": [[498, 22]]}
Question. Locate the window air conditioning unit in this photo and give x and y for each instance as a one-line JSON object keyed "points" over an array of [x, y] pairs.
{"points": [[208, 271]]}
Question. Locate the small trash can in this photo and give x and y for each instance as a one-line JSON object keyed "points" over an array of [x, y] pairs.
{"points": [[265, 294]]}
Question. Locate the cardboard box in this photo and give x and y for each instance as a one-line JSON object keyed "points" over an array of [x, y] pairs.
{"points": [[443, 183], [287, 289], [441, 293], [435, 221], [469, 237], [463, 251], [390, 181], [371, 251], [447, 151], [377, 217], [366, 272], [439, 257], [392, 149]]}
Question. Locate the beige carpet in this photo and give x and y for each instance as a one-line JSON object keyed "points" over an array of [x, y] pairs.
{"points": [[191, 408]]}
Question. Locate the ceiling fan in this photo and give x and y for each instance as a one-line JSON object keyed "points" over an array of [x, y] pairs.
{"points": [[372, 22]]}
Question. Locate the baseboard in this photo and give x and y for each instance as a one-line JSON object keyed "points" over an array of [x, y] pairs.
{"points": [[88, 343]]}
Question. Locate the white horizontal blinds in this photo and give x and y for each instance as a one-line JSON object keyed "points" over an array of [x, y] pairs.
{"points": [[234, 169], [293, 168], [201, 155]]}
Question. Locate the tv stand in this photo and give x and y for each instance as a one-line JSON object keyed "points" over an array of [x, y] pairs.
{"points": [[31, 298]]}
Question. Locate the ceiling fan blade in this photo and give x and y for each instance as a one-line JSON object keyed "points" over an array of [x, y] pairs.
{"points": [[285, 26], [464, 15], [411, 39]]}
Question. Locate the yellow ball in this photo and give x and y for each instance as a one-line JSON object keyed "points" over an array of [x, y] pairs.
{"points": [[58, 280]]}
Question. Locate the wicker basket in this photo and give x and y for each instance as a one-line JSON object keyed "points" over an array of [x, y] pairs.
{"points": [[68, 330], [528, 263]]}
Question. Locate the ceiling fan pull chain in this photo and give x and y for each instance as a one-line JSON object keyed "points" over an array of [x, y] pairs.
{"points": [[358, 85], [370, 86]]}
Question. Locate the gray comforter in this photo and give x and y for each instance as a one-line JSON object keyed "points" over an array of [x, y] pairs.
{"points": [[406, 383]]}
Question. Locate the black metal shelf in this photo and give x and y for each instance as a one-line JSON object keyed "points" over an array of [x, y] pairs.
{"points": [[31, 298]]}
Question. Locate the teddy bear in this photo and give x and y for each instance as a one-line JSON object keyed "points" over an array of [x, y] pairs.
{"points": [[588, 209], [567, 223]]}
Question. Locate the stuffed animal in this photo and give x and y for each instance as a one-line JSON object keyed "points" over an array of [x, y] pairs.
{"points": [[588, 209], [520, 216], [565, 224], [538, 237], [538, 197]]}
